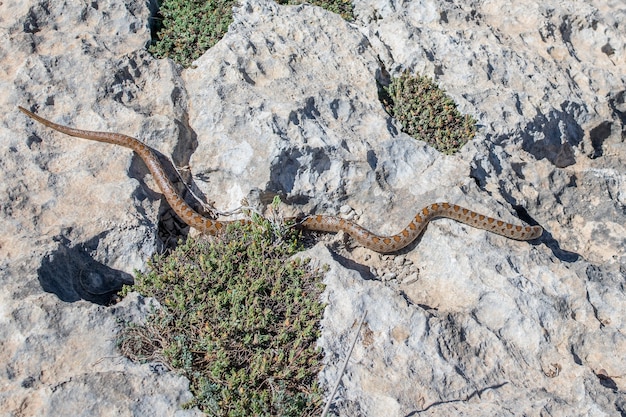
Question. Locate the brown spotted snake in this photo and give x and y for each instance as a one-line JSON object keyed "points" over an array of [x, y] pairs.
{"points": [[382, 244]]}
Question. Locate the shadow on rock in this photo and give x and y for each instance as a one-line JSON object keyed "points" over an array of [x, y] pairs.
{"points": [[553, 136], [71, 273], [363, 270], [555, 247], [477, 392]]}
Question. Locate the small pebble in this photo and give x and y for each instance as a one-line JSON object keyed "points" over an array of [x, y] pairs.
{"points": [[411, 278], [389, 276], [345, 209]]}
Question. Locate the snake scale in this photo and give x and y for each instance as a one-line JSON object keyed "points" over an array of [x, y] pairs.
{"points": [[382, 244]]}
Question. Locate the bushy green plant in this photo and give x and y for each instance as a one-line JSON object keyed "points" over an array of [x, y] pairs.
{"points": [[189, 27], [240, 318], [427, 113]]}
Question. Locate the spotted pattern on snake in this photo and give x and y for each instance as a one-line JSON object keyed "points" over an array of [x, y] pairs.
{"points": [[382, 244]]}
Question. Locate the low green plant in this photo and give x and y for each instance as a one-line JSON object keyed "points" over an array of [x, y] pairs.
{"points": [[427, 113], [186, 29], [240, 318]]}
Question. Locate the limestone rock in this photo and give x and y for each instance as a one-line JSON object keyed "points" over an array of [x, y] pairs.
{"points": [[77, 216], [462, 322]]}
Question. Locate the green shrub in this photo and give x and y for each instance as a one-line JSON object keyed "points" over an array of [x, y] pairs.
{"points": [[427, 113], [239, 318], [189, 27]]}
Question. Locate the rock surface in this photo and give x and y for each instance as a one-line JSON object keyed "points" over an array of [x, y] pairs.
{"points": [[461, 323], [78, 217]]}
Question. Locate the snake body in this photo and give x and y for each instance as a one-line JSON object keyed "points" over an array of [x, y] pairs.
{"points": [[382, 244]]}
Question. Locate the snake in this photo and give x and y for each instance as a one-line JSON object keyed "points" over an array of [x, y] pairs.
{"points": [[321, 223]]}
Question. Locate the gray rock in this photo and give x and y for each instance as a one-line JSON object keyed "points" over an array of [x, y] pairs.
{"points": [[78, 217], [462, 322]]}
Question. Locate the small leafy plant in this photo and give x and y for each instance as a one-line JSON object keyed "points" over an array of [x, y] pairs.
{"points": [[189, 27], [240, 318], [427, 113]]}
